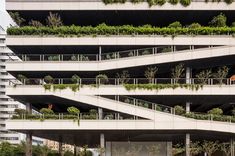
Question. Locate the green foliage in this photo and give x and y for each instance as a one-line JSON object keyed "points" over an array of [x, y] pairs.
{"points": [[123, 77], [21, 77], [102, 78], [73, 87], [176, 24], [156, 2], [233, 24], [166, 49], [75, 79], [228, 1], [16, 18], [233, 111], [48, 79], [68, 153], [174, 2], [225, 148], [210, 147], [204, 76], [85, 151], [215, 111], [54, 58], [177, 72], [6, 149], [161, 86], [77, 31], [150, 73], [195, 148], [54, 20], [46, 111], [73, 110], [185, 2], [35, 23], [221, 74], [219, 21], [20, 111], [179, 110], [194, 25]]}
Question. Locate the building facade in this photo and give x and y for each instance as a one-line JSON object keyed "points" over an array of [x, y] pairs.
{"points": [[148, 78]]}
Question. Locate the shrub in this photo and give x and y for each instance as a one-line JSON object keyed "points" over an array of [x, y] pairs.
{"points": [[150, 73], [75, 79], [228, 1], [233, 24], [176, 24], [48, 79], [20, 111], [174, 2], [21, 77], [46, 111], [221, 74], [215, 111], [54, 20], [102, 78], [185, 2], [179, 110], [177, 72], [219, 21], [16, 18], [35, 23], [194, 25], [73, 110]]}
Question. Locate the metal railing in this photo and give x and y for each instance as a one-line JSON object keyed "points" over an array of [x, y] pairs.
{"points": [[108, 56], [119, 81]]}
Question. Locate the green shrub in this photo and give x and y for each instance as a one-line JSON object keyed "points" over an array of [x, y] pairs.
{"points": [[73, 110], [176, 24], [20, 111], [75, 78], [233, 24], [194, 25], [174, 2], [215, 111], [228, 1], [48, 79], [219, 21], [233, 111], [102, 78], [179, 110], [46, 111], [185, 2]]}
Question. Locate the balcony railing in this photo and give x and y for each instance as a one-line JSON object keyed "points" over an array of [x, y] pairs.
{"points": [[109, 56], [121, 81]]}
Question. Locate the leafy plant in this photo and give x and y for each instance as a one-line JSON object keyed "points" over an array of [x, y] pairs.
{"points": [[22, 78], [219, 21], [229, 1], [54, 20], [221, 74], [195, 148], [123, 77], [176, 24], [194, 25], [210, 147], [20, 111], [178, 149], [150, 73], [166, 49], [75, 79], [185, 2], [215, 111], [153, 150], [16, 17], [177, 72], [48, 79], [204, 76], [73, 110], [35, 23], [225, 148], [174, 2], [102, 78], [46, 111], [179, 110]]}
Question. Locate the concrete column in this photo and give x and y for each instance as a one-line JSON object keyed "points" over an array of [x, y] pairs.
{"points": [[188, 75], [100, 52], [102, 143], [187, 144], [232, 146], [188, 107], [28, 144], [29, 108], [100, 112], [60, 146], [169, 148]]}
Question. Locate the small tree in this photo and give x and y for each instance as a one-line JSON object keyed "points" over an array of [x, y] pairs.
{"points": [[221, 74], [195, 148], [209, 147], [204, 76], [102, 78], [48, 79], [123, 77], [177, 72], [177, 149], [54, 20], [73, 110], [176, 24], [16, 18], [215, 111], [225, 148], [75, 79], [22, 78], [179, 110], [46, 111], [35, 23], [219, 21], [194, 25], [150, 73]]}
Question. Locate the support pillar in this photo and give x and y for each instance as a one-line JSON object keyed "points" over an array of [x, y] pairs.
{"points": [[187, 144], [60, 146], [188, 75], [28, 144], [100, 112], [188, 107], [100, 52], [29, 108], [102, 143], [169, 148], [232, 146]]}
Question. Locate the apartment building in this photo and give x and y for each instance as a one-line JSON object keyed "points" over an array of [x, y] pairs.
{"points": [[125, 77]]}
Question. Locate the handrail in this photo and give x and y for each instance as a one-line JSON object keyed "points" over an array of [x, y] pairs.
{"points": [[110, 55], [119, 81]]}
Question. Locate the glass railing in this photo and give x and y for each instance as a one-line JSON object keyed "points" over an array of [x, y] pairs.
{"points": [[108, 56], [123, 81]]}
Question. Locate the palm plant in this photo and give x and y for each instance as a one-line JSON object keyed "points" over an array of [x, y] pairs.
{"points": [[54, 20], [150, 73], [210, 147], [16, 17]]}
